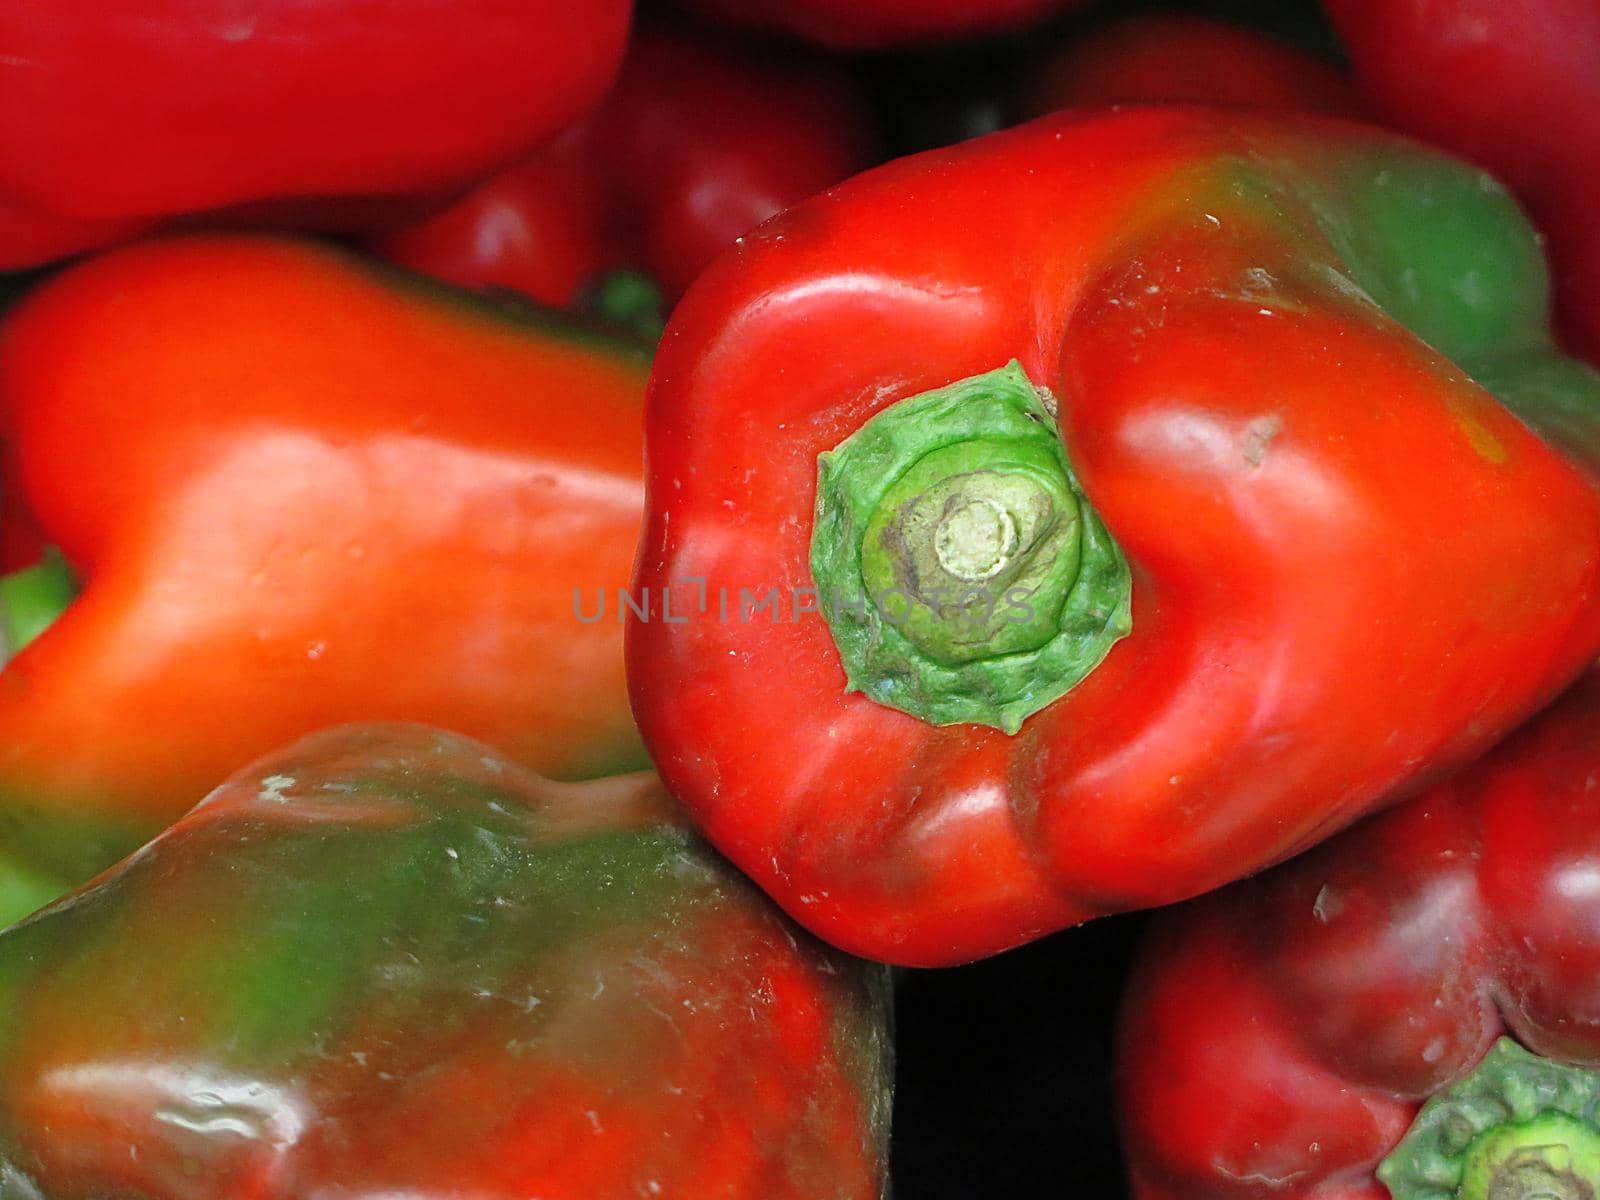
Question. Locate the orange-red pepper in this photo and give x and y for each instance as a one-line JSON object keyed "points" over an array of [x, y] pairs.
{"points": [[297, 488]]}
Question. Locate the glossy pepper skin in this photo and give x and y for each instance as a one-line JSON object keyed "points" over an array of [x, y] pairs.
{"points": [[1513, 85], [1181, 56], [117, 111], [386, 961], [1278, 1038], [299, 488], [879, 24], [697, 144], [1336, 564]]}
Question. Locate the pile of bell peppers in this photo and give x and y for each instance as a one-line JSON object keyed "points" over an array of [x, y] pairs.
{"points": [[698, 143], [544, 548]]}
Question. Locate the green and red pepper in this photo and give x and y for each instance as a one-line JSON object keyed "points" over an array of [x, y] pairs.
{"points": [[386, 961], [1511, 84], [1287, 503]]}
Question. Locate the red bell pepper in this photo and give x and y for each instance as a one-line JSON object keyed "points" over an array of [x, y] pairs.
{"points": [[1181, 56], [298, 488], [1511, 84], [1234, 550], [386, 962], [869, 24], [696, 145], [117, 111], [537, 228], [1279, 1038]]}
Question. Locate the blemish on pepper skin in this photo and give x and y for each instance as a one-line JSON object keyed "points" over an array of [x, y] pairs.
{"points": [[1483, 442], [238, 31], [274, 789], [1258, 435], [1327, 905]]}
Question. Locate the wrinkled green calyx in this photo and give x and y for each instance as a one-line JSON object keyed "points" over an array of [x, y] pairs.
{"points": [[962, 571], [1520, 1127], [30, 601]]}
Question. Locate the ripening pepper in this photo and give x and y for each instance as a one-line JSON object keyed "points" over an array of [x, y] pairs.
{"points": [[697, 144], [122, 110], [1284, 500], [387, 962], [295, 488], [1182, 56], [1419, 997], [1513, 85], [878, 24]]}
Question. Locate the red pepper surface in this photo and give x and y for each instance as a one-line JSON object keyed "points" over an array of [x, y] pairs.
{"points": [[1342, 564], [536, 228], [21, 543], [28, 238], [1511, 84], [385, 962], [298, 488], [878, 24], [696, 145], [1180, 56], [118, 111], [1279, 1038]]}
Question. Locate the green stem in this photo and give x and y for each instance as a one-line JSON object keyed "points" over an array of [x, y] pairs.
{"points": [[30, 601], [1520, 1127], [963, 573]]}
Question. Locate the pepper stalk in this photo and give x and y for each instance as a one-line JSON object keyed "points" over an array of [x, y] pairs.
{"points": [[1520, 1127]]}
